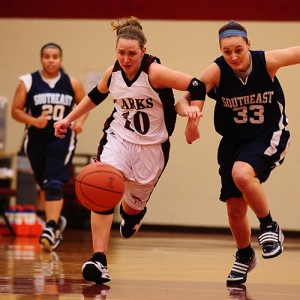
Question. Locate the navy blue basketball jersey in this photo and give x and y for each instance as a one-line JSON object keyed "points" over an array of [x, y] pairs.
{"points": [[57, 102], [249, 109], [142, 114]]}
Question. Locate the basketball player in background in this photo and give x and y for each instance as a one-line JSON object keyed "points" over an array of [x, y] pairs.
{"points": [[250, 117], [41, 98], [136, 135]]}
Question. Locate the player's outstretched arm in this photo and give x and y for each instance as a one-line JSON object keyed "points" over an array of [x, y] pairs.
{"points": [[61, 126]]}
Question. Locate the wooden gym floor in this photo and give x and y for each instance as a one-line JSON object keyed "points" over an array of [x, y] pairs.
{"points": [[150, 266]]}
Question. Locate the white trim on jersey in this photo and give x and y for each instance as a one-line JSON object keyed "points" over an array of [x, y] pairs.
{"points": [[27, 80], [72, 146]]}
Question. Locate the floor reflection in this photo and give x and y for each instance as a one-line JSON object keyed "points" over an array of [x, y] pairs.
{"points": [[144, 268], [98, 292], [238, 292]]}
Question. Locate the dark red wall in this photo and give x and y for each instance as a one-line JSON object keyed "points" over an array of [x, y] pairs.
{"points": [[256, 10]]}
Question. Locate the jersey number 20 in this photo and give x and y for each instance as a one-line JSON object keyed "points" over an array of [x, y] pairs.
{"points": [[54, 112]]}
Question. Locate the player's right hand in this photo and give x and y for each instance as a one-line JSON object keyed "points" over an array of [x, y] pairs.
{"points": [[61, 128]]}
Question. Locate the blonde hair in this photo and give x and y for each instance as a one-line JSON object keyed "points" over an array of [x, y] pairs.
{"points": [[130, 29]]}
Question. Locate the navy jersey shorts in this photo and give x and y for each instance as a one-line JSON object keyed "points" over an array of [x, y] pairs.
{"points": [[263, 154], [51, 159]]}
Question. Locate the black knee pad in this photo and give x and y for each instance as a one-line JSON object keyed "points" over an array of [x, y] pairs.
{"points": [[53, 189]]}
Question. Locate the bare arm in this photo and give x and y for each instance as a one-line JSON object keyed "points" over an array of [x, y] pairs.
{"points": [[161, 77], [18, 109], [79, 92], [164, 77], [83, 107], [276, 59], [210, 77], [193, 109], [61, 126]]}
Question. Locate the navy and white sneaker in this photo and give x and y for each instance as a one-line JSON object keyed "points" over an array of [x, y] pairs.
{"points": [[240, 269], [271, 239], [48, 236], [51, 236], [62, 223], [95, 269]]}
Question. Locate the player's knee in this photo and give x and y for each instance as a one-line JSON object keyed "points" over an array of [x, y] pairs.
{"points": [[242, 174], [53, 190]]}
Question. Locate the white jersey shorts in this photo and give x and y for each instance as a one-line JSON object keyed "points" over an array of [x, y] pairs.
{"points": [[141, 166]]}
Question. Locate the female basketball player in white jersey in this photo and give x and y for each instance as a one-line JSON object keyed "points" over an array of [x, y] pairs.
{"points": [[136, 135]]}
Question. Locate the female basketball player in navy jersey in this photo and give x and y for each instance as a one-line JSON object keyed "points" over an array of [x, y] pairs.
{"points": [[250, 117], [42, 98], [136, 135]]}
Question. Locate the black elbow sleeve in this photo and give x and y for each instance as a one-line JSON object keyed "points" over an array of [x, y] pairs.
{"points": [[197, 89], [96, 96]]}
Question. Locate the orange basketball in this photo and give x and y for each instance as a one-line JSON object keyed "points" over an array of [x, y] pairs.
{"points": [[99, 186]]}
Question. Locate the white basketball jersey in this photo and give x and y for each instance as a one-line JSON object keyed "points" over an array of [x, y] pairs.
{"points": [[141, 114]]}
